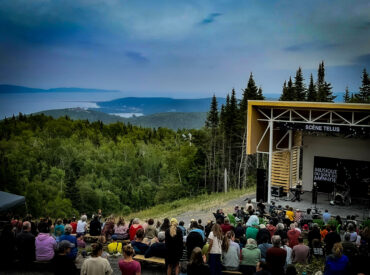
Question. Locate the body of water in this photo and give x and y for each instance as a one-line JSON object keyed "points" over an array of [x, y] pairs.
{"points": [[26, 103]]}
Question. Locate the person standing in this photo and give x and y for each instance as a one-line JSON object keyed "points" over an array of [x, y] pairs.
{"points": [[301, 252], [96, 265], [174, 246], [276, 257], [128, 265], [215, 249], [326, 217], [314, 193], [336, 263], [25, 242]]}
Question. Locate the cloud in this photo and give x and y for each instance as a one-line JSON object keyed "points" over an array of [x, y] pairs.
{"points": [[210, 18], [363, 60], [309, 46], [137, 57]]}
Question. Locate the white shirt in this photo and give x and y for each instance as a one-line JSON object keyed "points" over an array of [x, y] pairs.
{"points": [[81, 227], [288, 254], [216, 244], [96, 266]]}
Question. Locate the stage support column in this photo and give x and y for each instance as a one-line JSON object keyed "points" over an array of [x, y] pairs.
{"points": [[271, 142], [290, 160]]}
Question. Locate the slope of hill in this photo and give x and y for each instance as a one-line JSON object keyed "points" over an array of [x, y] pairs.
{"points": [[172, 120], [153, 105]]}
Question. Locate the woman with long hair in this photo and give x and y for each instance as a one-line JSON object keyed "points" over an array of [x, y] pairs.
{"points": [[230, 252], [127, 265], [197, 264], [120, 229], [215, 239], [96, 264], [174, 245], [336, 263]]}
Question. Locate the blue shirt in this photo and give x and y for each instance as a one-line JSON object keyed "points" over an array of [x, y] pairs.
{"points": [[326, 217], [73, 240], [336, 266]]}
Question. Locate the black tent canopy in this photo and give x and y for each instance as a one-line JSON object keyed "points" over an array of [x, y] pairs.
{"points": [[8, 200]]}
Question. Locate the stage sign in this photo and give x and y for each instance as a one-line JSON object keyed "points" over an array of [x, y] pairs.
{"points": [[325, 173], [325, 128], [341, 175]]}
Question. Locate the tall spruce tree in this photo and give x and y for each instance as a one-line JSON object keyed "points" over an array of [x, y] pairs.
{"points": [[346, 96], [299, 86], [324, 93], [311, 91], [364, 94], [288, 93], [250, 92], [212, 117]]}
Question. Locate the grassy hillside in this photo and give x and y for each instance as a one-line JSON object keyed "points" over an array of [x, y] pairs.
{"points": [[171, 120], [196, 203]]}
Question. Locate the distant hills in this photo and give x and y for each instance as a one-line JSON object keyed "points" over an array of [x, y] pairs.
{"points": [[153, 105], [172, 120], [21, 89]]}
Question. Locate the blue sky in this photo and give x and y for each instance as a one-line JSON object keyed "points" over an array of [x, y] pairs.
{"points": [[182, 49]]}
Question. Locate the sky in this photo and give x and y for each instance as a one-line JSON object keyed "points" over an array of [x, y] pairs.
{"points": [[182, 49]]}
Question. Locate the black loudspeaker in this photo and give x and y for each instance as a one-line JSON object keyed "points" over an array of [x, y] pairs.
{"points": [[262, 185]]}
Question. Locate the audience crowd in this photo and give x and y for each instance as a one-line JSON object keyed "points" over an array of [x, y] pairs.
{"points": [[253, 240]]}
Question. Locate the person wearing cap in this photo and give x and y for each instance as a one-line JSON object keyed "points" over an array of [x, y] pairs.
{"points": [[174, 245], [72, 239], [63, 264], [157, 249], [114, 246]]}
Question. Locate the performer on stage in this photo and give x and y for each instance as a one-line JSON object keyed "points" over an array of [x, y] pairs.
{"points": [[298, 191], [314, 193]]}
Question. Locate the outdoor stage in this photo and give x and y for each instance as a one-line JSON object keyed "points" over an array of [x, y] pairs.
{"points": [[357, 208]]}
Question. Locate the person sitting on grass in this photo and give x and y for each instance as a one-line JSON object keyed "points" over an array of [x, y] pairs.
{"points": [[96, 264], [80, 241], [138, 244], [62, 264], [261, 269], [114, 247], [121, 229], [72, 239], [250, 256], [81, 225], [301, 252], [133, 228]]}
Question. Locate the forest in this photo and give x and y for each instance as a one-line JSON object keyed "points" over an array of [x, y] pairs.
{"points": [[65, 167]]}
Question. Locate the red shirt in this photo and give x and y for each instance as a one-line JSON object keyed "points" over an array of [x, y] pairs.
{"points": [[129, 268], [226, 227], [74, 227], [132, 231], [293, 235]]}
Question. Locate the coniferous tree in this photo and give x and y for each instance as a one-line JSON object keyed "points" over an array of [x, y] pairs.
{"points": [[288, 93], [364, 94], [299, 87], [324, 93], [346, 97], [311, 91], [212, 118]]}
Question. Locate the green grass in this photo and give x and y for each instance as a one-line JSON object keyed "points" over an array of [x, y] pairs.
{"points": [[196, 203]]}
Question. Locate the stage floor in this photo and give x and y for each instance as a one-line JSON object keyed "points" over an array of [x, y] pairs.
{"points": [[360, 209]]}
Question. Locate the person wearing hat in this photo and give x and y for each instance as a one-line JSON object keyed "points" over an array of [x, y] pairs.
{"points": [[114, 247], [157, 249], [63, 264], [174, 246]]}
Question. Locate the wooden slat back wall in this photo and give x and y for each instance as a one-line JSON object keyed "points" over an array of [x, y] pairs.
{"points": [[280, 169]]}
